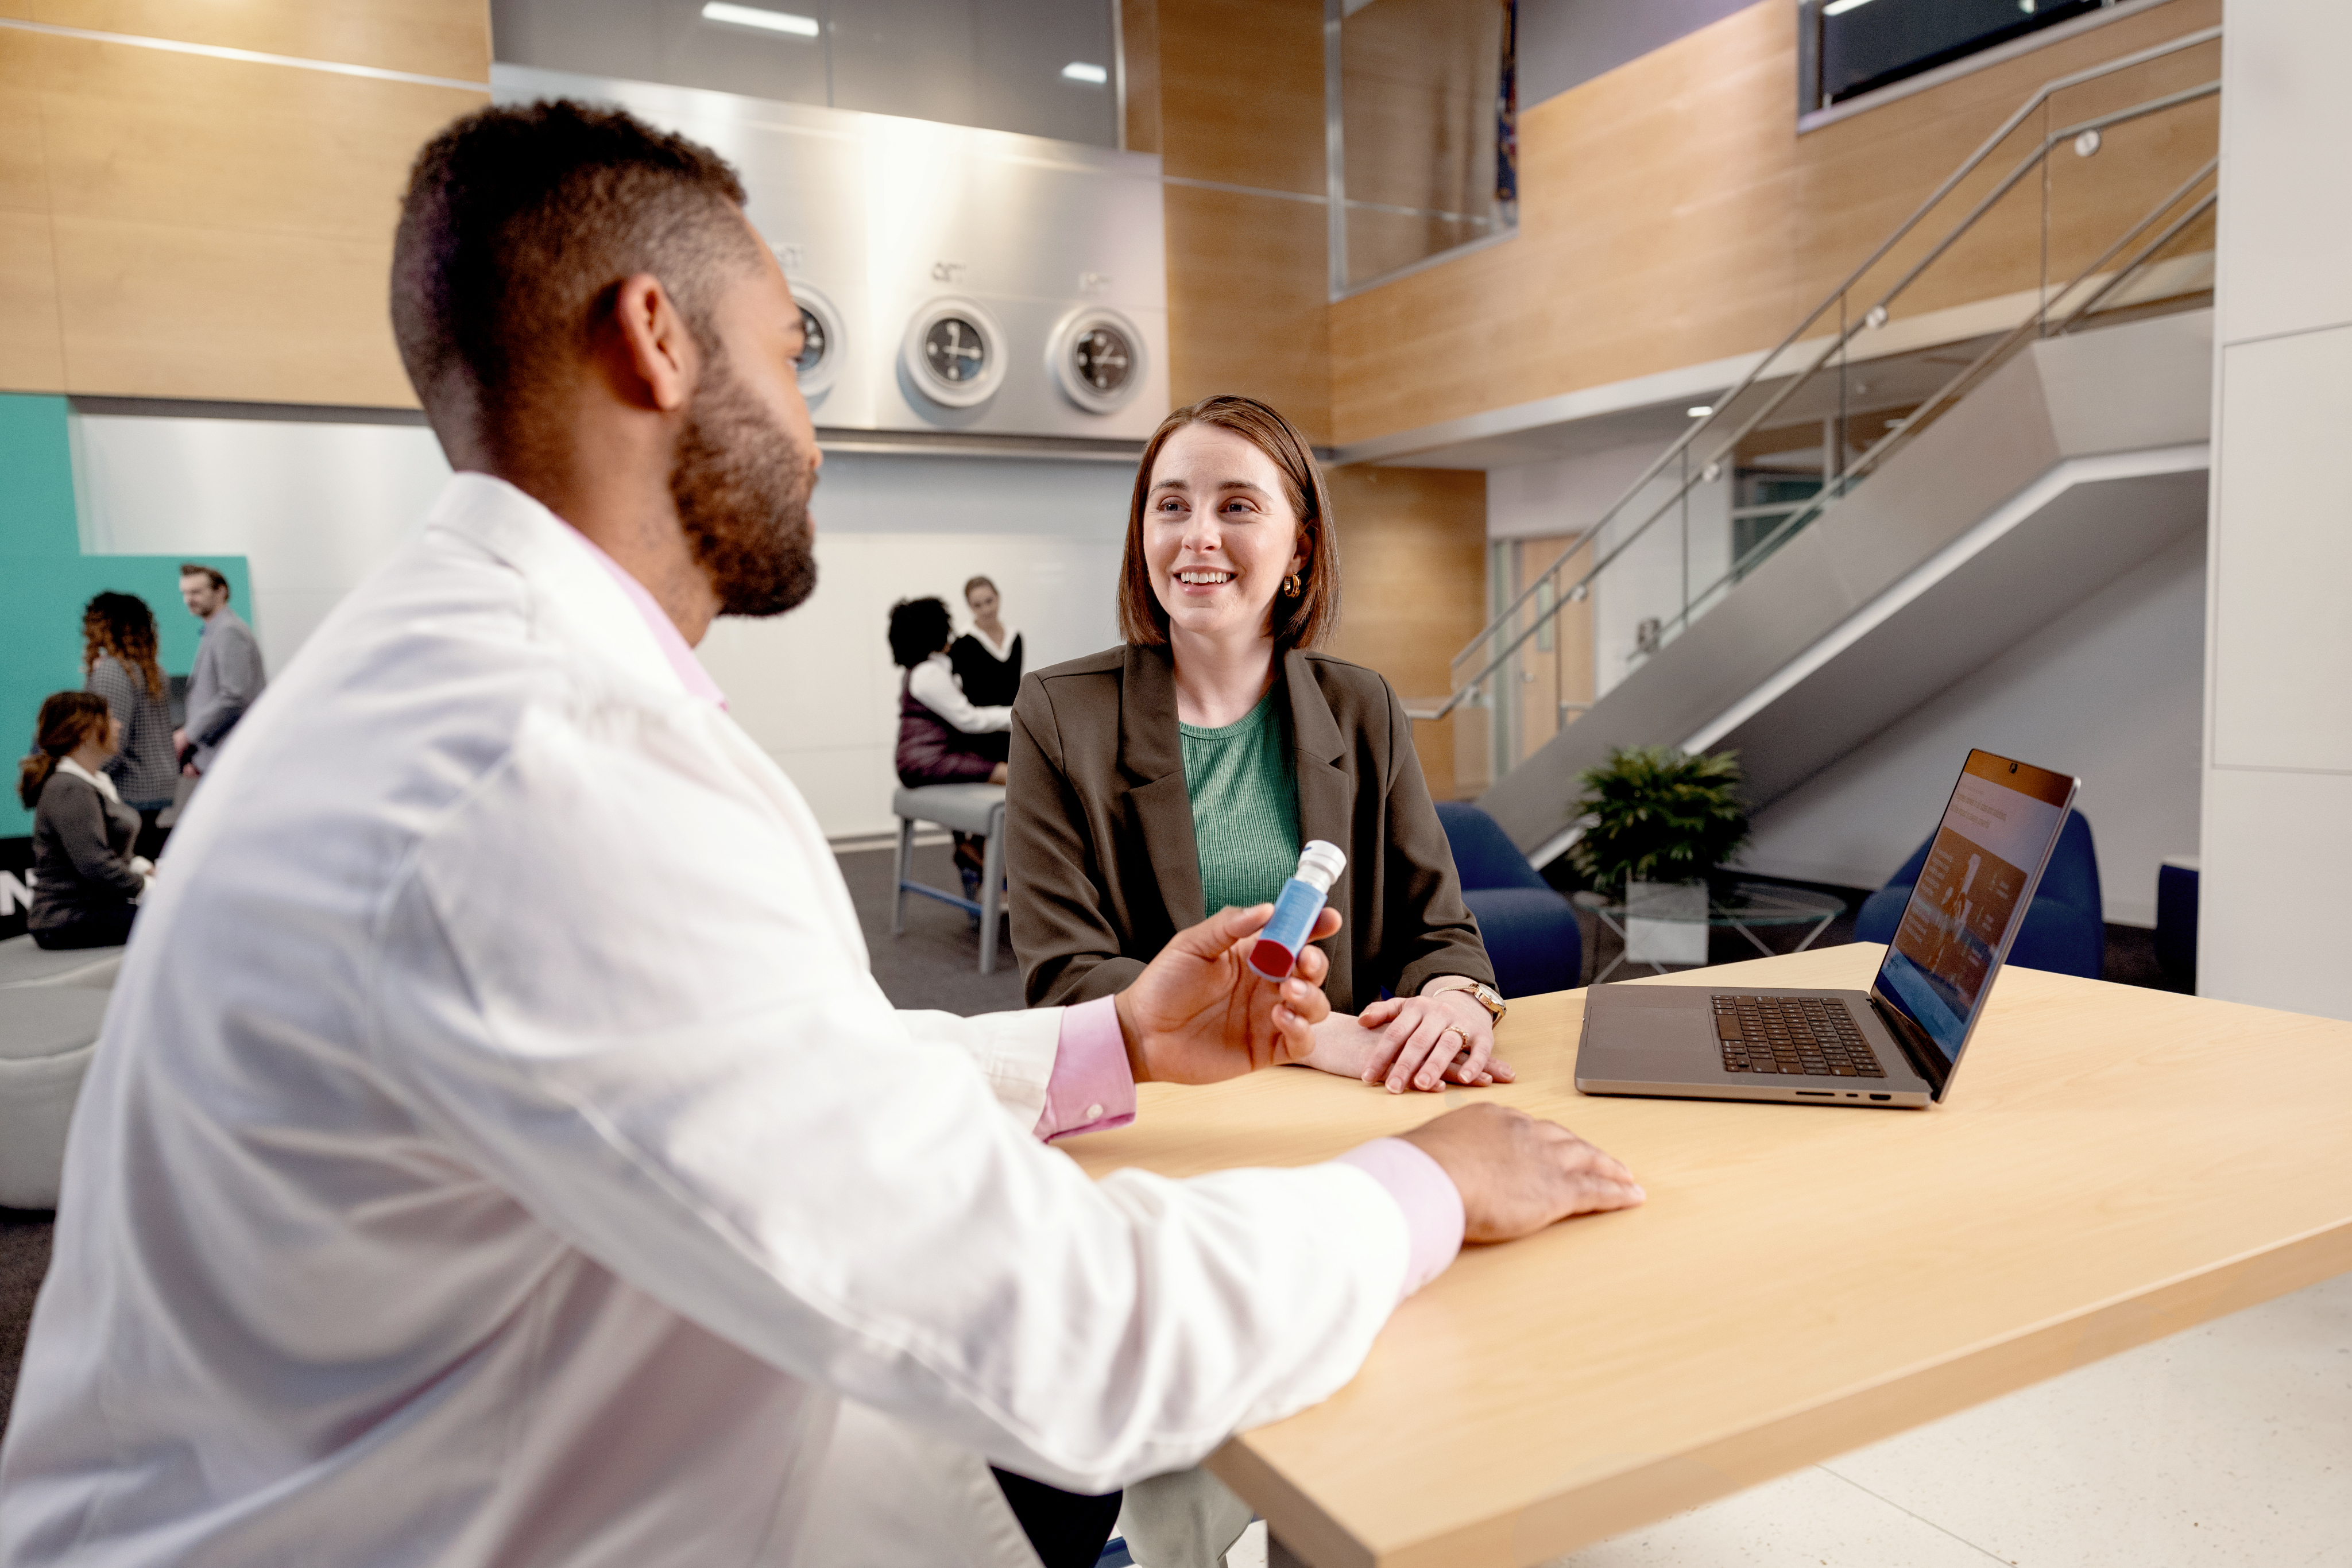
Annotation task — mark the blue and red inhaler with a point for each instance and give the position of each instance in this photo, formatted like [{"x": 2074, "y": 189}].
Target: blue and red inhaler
[{"x": 1276, "y": 951}]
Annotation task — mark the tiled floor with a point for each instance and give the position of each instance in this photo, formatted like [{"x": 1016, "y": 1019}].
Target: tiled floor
[{"x": 2230, "y": 1444}]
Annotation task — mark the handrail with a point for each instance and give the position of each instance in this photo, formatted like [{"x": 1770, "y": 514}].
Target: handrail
[
  {"x": 1943, "y": 397},
  {"x": 1950, "y": 392},
  {"x": 1969, "y": 166}
]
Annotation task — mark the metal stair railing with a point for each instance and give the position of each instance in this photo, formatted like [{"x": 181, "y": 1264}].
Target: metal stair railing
[{"x": 2093, "y": 288}]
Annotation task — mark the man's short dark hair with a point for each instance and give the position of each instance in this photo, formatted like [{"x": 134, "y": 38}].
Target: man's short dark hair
[
  {"x": 518, "y": 220},
  {"x": 198, "y": 569},
  {"x": 918, "y": 629}
]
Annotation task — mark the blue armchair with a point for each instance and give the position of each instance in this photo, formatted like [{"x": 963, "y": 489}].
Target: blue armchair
[
  {"x": 2065, "y": 928},
  {"x": 1529, "y": 928}
]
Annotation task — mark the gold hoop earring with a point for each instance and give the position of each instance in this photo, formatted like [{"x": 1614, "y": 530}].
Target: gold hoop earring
[{"x": 1290, "y": 589}]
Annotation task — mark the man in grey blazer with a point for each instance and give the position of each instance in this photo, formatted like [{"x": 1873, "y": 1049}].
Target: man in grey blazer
[{"x": 227, "y": 675}]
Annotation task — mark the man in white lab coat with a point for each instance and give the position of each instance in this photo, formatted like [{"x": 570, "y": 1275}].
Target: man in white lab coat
[{"x": 498, "y": 1151}]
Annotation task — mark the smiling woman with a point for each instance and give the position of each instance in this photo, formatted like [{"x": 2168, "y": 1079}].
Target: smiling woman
[{"x": 1180, "y": 772}]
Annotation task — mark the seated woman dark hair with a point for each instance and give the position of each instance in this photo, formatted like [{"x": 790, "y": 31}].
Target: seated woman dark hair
[
  {"x": 941, "y": 734},
  {"x": 943, "y": 737},
  {"x": 1181, "y": 772},
  {"x": 86, "y": 882}
]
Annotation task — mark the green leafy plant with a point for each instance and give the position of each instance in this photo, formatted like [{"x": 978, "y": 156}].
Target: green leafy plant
[{"x": 1654, "y": 814}]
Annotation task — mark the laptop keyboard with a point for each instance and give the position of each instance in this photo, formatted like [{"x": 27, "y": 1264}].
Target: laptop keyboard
[{"x": 1810, "y": 1035}]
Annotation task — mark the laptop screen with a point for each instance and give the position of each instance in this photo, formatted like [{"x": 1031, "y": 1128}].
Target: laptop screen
[{"x": 1987, "y": 856}]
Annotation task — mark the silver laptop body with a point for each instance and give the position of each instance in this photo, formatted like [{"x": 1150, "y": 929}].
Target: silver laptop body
[{"x": 1702, "y": 1042}]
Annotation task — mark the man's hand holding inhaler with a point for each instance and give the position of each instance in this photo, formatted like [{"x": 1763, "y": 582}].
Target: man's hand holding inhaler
[{"x": 1241, "y": 990}]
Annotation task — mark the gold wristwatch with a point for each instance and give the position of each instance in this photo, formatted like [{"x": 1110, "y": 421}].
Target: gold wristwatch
[{"x": 1486, "y": 995}]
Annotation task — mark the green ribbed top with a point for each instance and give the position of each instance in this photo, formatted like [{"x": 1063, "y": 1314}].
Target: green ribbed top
[{"x": 1244, "y": 790}]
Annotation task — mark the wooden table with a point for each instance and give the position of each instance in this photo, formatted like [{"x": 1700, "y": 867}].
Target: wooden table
[{"x": 2112, "y": 1165}]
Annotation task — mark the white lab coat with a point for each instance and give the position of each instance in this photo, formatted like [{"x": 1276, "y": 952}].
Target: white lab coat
[{"x": 499, "y": 1152}]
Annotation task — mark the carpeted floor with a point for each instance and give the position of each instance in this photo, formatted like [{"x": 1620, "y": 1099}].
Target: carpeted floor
[
  {"x": 934, "y": 965},
  {"x": 937, "y": 963},
  {"x": 24, "y": 1259}
]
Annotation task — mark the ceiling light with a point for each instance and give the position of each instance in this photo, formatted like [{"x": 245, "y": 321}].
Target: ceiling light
[
  {"x": 1700, "y": 410},
  {"x": 1840, "y": 7},
  {"x": 766, "y": 21},
  {"x": 1078, "y": 70}
]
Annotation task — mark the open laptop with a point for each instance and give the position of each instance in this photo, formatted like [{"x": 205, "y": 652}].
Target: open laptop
[{"x": 1897, "y": 1044}]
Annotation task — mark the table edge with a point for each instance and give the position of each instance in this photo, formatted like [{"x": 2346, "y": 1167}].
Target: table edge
[{"x": 1610, "y": 1504}]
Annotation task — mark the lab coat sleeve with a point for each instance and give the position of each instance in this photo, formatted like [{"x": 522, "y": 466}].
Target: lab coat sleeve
[{"x": 666, "y": 1047}]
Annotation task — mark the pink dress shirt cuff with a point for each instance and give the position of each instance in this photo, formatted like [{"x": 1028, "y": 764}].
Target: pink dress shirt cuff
[
  {"x": 1091, "y": 1088},
  {"x": 1432, "y": 1205}
]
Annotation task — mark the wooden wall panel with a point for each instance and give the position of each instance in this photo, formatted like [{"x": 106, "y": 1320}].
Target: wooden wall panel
[
  {"x": 427, "y": 37},
  {"x": 1247, "y": 305},
  {"x": 1671, "y": 215},
  {"x": 1413, "y": 550},
  {"x": 1238, "y": 87},
  {"x": 32, "y": 354},
  {"x": 1139, "y": 35},
  {"x": 1241, "y": 92},
  {"x": 32, "y": 342},
  {"x": 220, "y": 229}
]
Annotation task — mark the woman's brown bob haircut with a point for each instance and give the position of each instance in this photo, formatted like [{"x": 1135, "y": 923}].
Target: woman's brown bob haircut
[{"x": 1300, "y": 622}]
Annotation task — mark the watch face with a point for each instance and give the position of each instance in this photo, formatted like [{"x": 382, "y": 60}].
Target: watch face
[
  {"x": 1104, "y": 359},
  {"x": 813, "y": 342},
  {"x": 955, "y": 351}
]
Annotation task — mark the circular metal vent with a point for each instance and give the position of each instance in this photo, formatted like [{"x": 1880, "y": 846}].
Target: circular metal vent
[
  {"x": 954, "y": 354},
  {"x": 822, "y": 345},
  {"x": 1098, "y": 359}
]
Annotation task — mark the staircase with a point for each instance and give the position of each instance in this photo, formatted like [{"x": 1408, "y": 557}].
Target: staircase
[{"x": 1949, "y": 515}]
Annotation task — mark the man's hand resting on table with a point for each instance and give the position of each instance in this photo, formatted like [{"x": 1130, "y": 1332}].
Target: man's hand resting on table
[
  {"x": 1199, "y": 1013},
  {"x": 1518, "y": 1174}
]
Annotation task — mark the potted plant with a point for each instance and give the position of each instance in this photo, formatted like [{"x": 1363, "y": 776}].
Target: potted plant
[{"x": 1656, "y": 821}]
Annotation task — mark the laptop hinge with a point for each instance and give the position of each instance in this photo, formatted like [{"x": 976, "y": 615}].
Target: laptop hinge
[{"x": 1924, "y": 1058}]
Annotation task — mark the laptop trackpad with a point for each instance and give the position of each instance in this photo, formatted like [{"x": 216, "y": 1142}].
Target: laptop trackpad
[{"x": 1630, "y": 1031}]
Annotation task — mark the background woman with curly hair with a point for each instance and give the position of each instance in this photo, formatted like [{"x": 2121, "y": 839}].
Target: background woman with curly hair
[{"x": 117, "y": 658}]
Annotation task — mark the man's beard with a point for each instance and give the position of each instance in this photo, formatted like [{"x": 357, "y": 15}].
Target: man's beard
[{"x": 741, "y": 489}]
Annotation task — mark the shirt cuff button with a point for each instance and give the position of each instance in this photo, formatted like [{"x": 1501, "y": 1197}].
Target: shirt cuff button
[{"x": 1094, "y": 1112}]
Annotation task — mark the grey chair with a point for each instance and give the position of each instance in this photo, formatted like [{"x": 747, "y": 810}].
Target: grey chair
[
  {"x": 23, "y": 963},
  {"x": 966, "y": 808},
  {"x": 47, "y": 1036}
]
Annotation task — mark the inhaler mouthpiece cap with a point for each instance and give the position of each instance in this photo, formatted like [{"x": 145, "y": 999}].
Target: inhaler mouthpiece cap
[{"x": 1321, "y": 863}]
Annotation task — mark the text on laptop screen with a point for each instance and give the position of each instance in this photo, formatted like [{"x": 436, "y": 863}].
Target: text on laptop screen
[{"x": 1999, "y": 828}]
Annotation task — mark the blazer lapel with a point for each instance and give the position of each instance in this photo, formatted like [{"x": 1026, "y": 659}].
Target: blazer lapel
[
  {"x": 1326, "y": 794},
  {"x": 1152, "y": 755}
]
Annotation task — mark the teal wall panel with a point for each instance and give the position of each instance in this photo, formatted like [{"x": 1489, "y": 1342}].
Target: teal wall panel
[{"x": 36, "y": 493}]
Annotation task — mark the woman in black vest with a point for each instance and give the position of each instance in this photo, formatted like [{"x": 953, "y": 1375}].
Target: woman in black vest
[
  {"x": 86, "y": 882},
  {"x": 987, "y": 659}
]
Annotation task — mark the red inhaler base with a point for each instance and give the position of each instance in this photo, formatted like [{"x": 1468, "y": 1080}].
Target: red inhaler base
[{"x": 1272, "y": 960}]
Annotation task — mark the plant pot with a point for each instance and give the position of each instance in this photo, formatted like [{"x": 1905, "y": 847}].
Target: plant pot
[{"x": 1665, "y": 923}]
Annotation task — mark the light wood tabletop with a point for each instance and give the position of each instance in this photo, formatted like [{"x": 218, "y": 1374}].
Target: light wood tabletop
[{"x": 2111, "y": 1166}]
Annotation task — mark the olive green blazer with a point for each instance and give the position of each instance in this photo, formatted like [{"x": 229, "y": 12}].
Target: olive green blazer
[{"x": 1099, "y": 829}]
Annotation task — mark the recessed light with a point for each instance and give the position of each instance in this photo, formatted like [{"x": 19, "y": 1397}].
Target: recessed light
[
  {"x": 1700, "y": 410},
  {"x": 1078, "y": 70},
  {"x": 764, "y": 20}
]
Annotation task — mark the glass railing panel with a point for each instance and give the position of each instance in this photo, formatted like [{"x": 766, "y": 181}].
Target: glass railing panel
[{"x": 1418, "y": 93}]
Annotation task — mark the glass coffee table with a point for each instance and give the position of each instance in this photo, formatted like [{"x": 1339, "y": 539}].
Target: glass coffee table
[{"x": 1745, "y": 907}]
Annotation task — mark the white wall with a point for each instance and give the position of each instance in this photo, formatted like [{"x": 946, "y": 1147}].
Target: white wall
[
  {"x": 1684, "y": 552},
  {"x": 2109, "y": 692},
  {"x": 312, "y": 506},
  {"x": 2278, "y": 729},
  {"x": 315, "y": 506}
]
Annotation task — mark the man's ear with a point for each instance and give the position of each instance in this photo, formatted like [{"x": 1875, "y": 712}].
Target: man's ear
[{"x": 649, "y": 355}]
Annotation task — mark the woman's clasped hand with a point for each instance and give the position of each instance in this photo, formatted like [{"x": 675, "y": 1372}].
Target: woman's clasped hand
[{"x": 1423, "y": 1042}]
